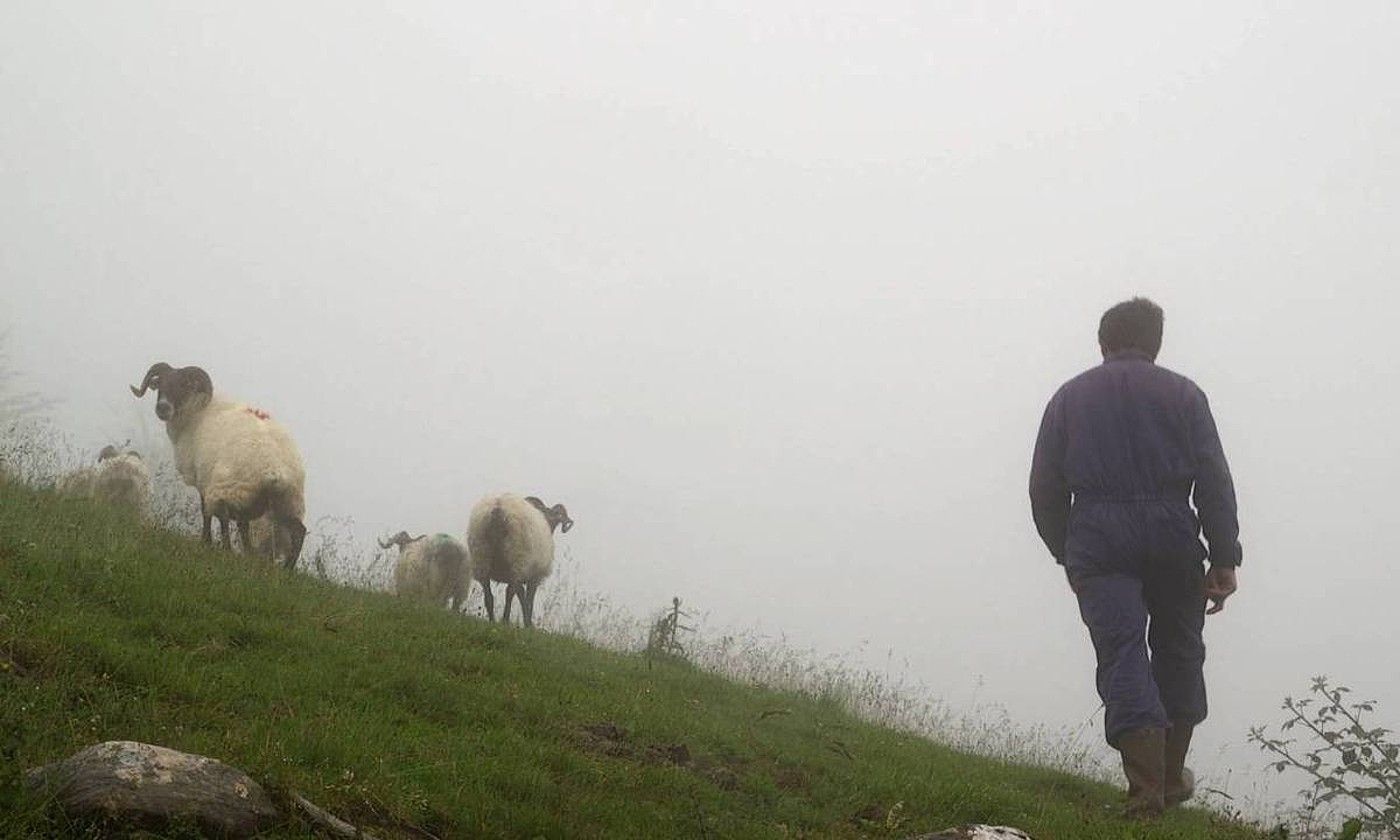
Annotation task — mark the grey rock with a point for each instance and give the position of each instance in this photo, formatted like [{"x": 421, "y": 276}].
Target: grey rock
[
  {"x": 138, "y": 785},
  {"x": 976, "y": 832}
]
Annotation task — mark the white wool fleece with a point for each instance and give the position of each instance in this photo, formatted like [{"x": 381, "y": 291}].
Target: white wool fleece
[
  {"x": 123, "y": 480},
  {"x": 525, "y": 552},
  {"x": 236, "y": 455}
]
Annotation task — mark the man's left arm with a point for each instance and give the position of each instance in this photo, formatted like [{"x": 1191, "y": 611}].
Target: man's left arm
[
  {"x": 1214, "y": 490},
  {"x": 1214, "y": 497}
]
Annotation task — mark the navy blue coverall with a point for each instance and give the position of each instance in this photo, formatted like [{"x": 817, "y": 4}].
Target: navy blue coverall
[{"x": 1124, "y": 450}]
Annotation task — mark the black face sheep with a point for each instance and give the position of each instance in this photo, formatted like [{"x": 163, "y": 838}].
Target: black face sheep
[
  {"x": 511, "y": 541},
  {"x": 242, "y": 462},
  {"x": 430, "y": 569}
]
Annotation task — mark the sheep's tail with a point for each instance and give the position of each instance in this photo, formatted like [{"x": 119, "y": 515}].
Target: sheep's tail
[{"x": 495, "y": 533}]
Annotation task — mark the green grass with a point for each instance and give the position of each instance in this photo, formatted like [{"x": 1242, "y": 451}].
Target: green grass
[{"x": 407, "y": 720}]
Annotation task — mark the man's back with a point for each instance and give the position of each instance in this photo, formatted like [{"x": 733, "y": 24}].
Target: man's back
[{"x": 1127, "y": 431}]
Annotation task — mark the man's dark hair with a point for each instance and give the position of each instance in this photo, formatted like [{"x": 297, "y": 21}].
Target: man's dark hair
[{"x": 1132, "y": 325}]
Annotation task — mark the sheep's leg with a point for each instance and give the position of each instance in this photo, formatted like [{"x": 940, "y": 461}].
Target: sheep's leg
[
  {"x": 225, "y": 532},
  {"x": 489, "y": 599},
  {"x": 244, "y": 536},
  {"x": 527, "y": 602},
  {"x": 208, "y": 533},
  {"x": 461, "y": 584},
  {"x": 511, "y": 592}
]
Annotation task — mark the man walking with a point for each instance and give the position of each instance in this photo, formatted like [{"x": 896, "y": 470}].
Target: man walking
[{"x": 1124, "y": 451}]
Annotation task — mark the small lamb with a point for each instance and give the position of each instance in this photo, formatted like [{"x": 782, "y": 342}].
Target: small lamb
[
  {"x": 430, "y": 569},
  {"x": 119, "y": 478}
]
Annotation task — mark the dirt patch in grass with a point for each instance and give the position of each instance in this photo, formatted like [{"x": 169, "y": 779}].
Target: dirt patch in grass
[
  {"x": 11, "y": 668},
  {"x": 719, "y": 775},
  {"x": 607, "y": 738},
  {"x": 677, "y": 754},
  {"x": 881, "y": 818},
  {"x": 872, "y": 813},
  {"x": 18, "y": 659},
  {"x": 792, "y": 779}
]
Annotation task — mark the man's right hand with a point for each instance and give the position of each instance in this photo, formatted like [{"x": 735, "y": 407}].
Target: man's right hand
[{"x": 1220, "y": 584}]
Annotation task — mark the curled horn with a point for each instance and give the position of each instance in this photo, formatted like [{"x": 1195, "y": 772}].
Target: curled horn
[
  {"x": 555, "y": 516},
  {"x": 561, "y": 516},
  {"x": 400, "y": 539},
  {"x": 152, "y": 378}
]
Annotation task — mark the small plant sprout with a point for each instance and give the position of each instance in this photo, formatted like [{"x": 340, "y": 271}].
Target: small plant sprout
[
  {"x": 1344, "y": 757},
  {"x": 663, "y": 639}
]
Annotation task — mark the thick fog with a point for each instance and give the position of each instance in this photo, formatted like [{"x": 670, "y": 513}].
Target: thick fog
[{"x": 772, "y": 298}]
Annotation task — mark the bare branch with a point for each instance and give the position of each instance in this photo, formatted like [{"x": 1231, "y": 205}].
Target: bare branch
[{"x": 324, "y": 819}]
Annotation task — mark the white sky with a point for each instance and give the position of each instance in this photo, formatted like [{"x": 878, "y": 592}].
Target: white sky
[{"x": 771, "y": 298}]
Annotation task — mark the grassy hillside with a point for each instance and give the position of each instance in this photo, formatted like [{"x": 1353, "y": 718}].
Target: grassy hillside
[{"x": 413, "y": 722}]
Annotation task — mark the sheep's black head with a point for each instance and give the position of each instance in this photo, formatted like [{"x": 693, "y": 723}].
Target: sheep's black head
[
  {"x": 176, "y": 388},
  {"x": 400, "y": 539},
  {"x": 110, "y": 451},
  {"x": 557, "y": 516}
]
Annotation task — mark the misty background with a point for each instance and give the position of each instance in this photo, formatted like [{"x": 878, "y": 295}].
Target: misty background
[{"x": 772, "y": 298}]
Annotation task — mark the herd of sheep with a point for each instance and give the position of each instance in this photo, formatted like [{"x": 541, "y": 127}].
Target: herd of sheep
[{"x": 248, "y": 474}]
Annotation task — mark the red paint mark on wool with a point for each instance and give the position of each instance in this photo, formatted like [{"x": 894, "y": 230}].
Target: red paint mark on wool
[{"x": 259, "y": 413}]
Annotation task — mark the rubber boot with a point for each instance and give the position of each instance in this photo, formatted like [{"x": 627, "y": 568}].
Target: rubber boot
[
  {"x": 1180, "y": 781},
  {"x": 1144, "y": 763}
]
